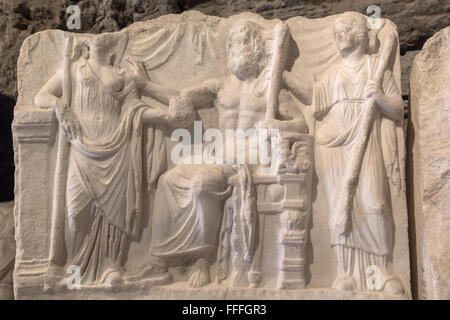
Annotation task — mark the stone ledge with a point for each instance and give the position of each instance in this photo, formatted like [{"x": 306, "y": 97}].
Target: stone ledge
[{"x": 34, "y": 126}]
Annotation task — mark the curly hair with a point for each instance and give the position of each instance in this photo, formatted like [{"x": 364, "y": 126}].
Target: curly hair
[
  {"x": 358, "y": 24},
  {"x": 251, "y": 31}
]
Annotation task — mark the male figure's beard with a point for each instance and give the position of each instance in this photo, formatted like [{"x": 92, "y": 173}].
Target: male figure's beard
[{"x": 244, "y": 66}]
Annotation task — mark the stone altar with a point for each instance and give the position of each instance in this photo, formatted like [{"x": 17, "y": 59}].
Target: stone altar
[{"x": 103, "y": 210}]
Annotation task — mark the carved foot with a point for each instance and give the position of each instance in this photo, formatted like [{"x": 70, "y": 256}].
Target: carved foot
[
  {"x": 394, "y": 287},
  {"x": 254, "y": 278},
  {"x": 114, "y": 278},
  {"x": 200, "y": 276},
  {"x": 344, "y": 283}
]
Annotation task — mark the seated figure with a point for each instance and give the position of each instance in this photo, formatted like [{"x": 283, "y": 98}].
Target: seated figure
[{"x": 189, "y": 201}]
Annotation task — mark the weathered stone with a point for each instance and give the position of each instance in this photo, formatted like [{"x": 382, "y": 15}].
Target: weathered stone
[
  {"x": 7, "y": 250},
  {"x": 430, "y": 115}
]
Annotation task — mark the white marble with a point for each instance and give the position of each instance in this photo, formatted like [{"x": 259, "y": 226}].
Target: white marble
[
  {"x": 105, "y": 209},
  {"x": 429, "y": 130}
]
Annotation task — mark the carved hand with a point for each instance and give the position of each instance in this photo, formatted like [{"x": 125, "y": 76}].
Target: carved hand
[
  {"x": 181, "y": 111},
  {"x": 67, "y": 120},
  {"x": 271, "y": 124},
  {"x": 139, "y": 73},
  {"x": 373, "y": 90}
]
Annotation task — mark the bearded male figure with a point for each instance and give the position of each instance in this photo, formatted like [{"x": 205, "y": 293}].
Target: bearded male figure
[{"x": 189, "y": 200}]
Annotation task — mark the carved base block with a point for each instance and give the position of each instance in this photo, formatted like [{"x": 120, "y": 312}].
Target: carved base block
[
  {"x": 147, "y": 290},
  {"x": 292, "y": 267}
]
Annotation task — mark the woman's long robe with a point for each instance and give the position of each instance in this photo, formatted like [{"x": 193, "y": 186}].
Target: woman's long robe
[
  {"x": 105, "y": 174},
  {"x": 338, "y": 102}
]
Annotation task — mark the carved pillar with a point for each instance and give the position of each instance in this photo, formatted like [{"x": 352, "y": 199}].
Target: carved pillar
[
  {"x": 33, "y": 135},
  {"x": 296, "y": 169},
  {"x": 292, "y": 206},
  {"x": 292, "y": 236}
]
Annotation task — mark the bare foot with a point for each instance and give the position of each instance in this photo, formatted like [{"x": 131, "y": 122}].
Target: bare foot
[
  {"x": 344, "y": 283},
  {"x": 200, "y": 276},
  {"x": 114, "y": 278}
]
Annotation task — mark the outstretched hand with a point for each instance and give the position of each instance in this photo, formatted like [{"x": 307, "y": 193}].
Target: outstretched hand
[
  {"x": 270, "y": 124},
  {"x": 138, "y": 72},
  {"x": 181, "y": 111}
]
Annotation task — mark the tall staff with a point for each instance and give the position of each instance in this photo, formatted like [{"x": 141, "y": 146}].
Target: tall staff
[
  {"x": 57, "y": 242},
  {"x": 278, "y": 63}
]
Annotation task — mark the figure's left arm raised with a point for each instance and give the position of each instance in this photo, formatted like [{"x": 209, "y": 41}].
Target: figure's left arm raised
[
  {"x": 139, "y": 75},
  {"x": 181, "y": 108}
]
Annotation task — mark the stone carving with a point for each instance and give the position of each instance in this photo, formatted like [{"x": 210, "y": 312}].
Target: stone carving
[
  {"x": 100, "y": 112},
  {"x": 120, "y": 216},
  {"x": 189, "y": 201},
  {"x": 430, "y": 164},
  {"x": 7, "y": 250},
  {"x": 350, "y": 102}
]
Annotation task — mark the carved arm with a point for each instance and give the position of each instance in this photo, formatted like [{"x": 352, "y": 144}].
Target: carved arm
[
  {"x": 51, "y": 96},
  {"x": 389, "y": 105},
  {"x": 139, "y": 75},
  {"x": 203, "y": 95},
  {"x": 301, "y": 89},
  {"x": 50, "y": 92}
]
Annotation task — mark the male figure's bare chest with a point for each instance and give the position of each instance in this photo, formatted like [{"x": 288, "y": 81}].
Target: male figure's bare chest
[{"x": 239, "y": 98}]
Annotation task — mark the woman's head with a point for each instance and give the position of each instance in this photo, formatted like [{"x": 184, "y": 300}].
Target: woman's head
[
  {"x": 101, "y": 48},
  {"x": 351, "y": 32}
]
